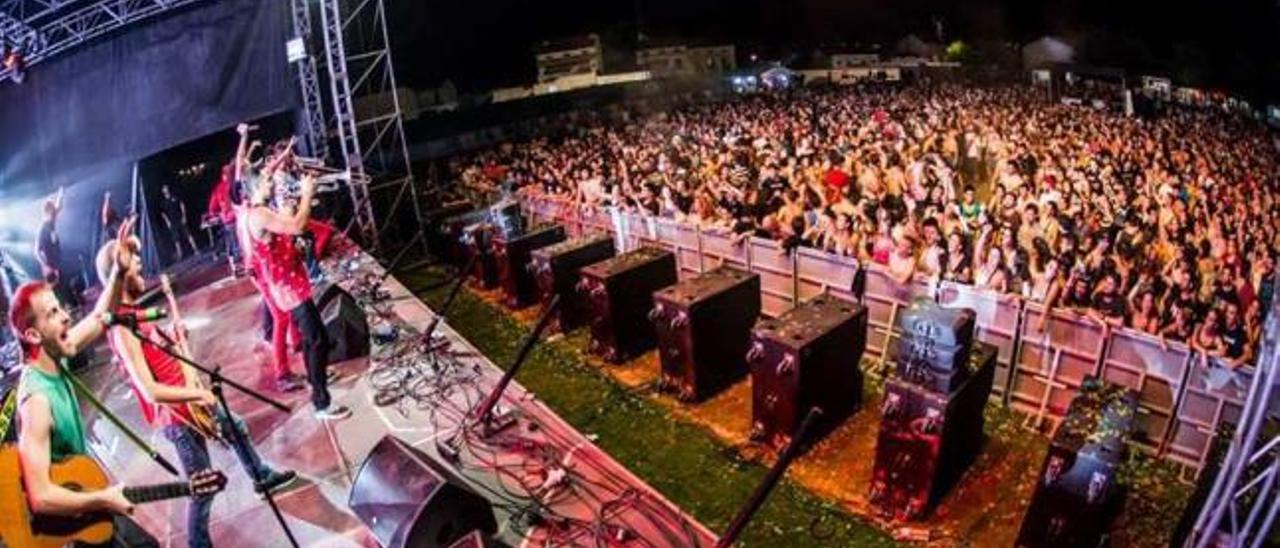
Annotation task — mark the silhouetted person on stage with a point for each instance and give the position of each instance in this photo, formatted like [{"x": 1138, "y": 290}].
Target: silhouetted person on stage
[{"x": 174, "y": 214}]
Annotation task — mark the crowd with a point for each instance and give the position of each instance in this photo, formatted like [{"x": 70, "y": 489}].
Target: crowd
[{"x": 1168, "y": 226}]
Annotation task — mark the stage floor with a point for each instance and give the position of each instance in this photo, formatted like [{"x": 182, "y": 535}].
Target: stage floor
[{"x": 223, "y": 321}]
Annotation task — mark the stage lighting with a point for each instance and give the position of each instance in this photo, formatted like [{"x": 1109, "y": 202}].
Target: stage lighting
[{"x": 14, "y": 60}]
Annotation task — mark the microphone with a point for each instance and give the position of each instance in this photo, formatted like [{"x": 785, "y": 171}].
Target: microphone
[{"x": 134, "y": 318}]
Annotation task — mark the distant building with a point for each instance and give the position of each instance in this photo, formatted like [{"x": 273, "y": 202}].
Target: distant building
[
  {"x": 851, "y": 60},
  {"x": 672, "y": 58},
  {"x": 577, "y": 56}
]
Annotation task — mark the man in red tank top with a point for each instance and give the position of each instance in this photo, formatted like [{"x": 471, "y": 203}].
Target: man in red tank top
[
  {"x": 282, "y": 272},
  {"x": 167, "y": 390}
]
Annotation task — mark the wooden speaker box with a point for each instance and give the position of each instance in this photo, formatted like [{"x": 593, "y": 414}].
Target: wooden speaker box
[
  {"x": 1076, "y": 493},
  {"x": 928, "y": 438},
  {"x": 555, "y": 269},
  {"x": 513, "y": 256},
  {"x": 703, "y": 326},
  {"x": 619, "y": 293},
  {"x": 808, "y": 357}
]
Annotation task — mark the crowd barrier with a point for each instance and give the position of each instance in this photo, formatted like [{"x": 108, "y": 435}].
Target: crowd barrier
[{"x": 1042, "y": 359}]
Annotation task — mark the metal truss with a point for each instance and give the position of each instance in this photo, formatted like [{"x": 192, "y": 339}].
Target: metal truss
[
  {"x": 358, "y": 62},
  {"x": 315, "y": 139},
  {"x": 34, "y": 10},
  {"x": 16, "y": 31},
  {"x": 49, "y": 27},
  {"x": 1242, "y": 506}
]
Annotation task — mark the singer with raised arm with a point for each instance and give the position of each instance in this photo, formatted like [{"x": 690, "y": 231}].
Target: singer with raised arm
[
  {"x": 278, "y": 327},
  {"x": 50, "y": 427},
  {"x": 48, "y": 244},
  {"x": 283, "y": 275},
  {"x": 170, "y": 394}
]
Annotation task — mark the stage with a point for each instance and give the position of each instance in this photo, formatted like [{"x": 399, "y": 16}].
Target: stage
[{"x": 598, "y": 503}]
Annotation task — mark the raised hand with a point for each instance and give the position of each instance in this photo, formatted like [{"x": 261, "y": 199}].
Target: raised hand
[{"x": 126, "y": 245}]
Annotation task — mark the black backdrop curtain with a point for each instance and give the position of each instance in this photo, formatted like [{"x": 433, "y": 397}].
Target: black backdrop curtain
[{"x": 81, "y": 120}]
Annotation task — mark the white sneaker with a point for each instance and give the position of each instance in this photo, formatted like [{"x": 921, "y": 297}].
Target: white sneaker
[{"x": 333, "y": 413}]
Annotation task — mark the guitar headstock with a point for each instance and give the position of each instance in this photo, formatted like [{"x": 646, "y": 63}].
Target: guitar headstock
[{"x": 207, "y": 482}]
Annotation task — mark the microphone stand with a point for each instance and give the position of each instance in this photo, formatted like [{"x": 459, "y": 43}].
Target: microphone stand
[
  {"x": 770, "y": 481},
  {"x": 216, "y": 380},
  {"x": 483, "y": 415},
  {"x": 458, "y": 280},
  {"x": 114, "y": 420}
]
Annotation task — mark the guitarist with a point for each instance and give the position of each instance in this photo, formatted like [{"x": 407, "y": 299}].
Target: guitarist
[
  {"x": 50, "y": 427},
  {"x": 171, "y": 395}
]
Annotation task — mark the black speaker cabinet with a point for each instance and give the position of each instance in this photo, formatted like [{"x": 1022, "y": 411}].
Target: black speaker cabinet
[
  {"x": 478, "y": 240},
  {"x": 555, "y": 268},
  {"x": 928, "y": 438},
  {"x": 452, "y": 233},
  {"x": 808, "y": 357},
  {"x": 619, "y": 293},
  {"x": 408, "y": 500},
  {"x": 514, "y": 255},
  {"x": 345, "y": 322},
  {"x": 1076, "y": 494},
  {"x": 477, "y": 539},
  {"x": 439, "y": 244},
  {"x": 703, "y": 326}
]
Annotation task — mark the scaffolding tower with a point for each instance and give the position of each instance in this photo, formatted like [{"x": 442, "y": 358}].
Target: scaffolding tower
[
  {"x": 1241, "y": 508},
  {"x": 357, "y": 64}
]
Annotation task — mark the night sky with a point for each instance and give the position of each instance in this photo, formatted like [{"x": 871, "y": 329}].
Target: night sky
[{"x": 480, "y": 44}]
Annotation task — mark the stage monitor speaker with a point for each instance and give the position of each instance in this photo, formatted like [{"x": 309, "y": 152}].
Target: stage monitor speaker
[
  {"x": 407, "y": 500},
  {"x": 477, "y": 539},
  {"x": 345, "y": 323}
]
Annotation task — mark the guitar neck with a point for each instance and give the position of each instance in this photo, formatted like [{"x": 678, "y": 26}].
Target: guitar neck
[{"x": 151, "y": 493}]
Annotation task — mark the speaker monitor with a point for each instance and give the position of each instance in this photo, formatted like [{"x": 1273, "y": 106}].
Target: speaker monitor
[
  {"x": 703, "y": 326},
  {"x": 1077, "y": 493},
  {"x": 555, "y": 268},
  {"x": 438, "y": 242},
  {"x": 808, "y": 357},
  {"x": 513, "y": 255},
  {"x": 928, "y": 438},
  {"x": 345, "y": 323},
  {"x": 406, "y": 499},
  {"x": 619, "y": 292},
  {"x": 477, "y": 539}
]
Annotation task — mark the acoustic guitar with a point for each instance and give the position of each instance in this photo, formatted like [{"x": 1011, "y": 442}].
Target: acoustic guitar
[{"x": 20, "y": 528}]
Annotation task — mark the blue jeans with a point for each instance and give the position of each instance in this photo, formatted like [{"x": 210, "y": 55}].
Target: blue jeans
[{"x": 194, "y": 454}]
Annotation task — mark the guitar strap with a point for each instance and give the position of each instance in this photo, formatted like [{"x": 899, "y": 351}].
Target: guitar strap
[
  {"x": 7, "y": 412},
  {"x": 113, "y": 419}
]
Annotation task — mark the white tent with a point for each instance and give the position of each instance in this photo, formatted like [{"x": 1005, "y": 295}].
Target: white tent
[{"x": 1047, "y": 51}]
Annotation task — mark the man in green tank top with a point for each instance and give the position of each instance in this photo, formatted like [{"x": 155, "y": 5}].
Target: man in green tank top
[{"x": 50, "y": 427}]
